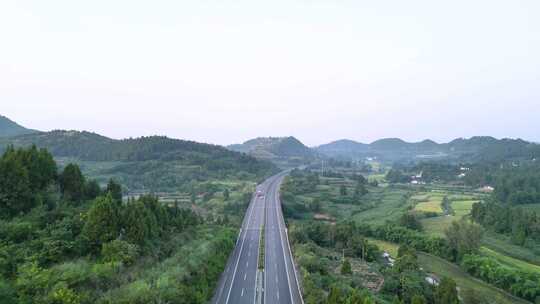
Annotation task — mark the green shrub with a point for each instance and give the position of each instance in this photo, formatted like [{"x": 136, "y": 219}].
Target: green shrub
[{"x": 120, "y": 251}]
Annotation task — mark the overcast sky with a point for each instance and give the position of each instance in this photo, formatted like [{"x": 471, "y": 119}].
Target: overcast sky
[{"x": 225, "y": 71}]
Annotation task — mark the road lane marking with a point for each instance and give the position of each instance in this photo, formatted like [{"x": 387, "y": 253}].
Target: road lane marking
[
  {"x": 242, "y": 292},
  {"x": 238, "y": 260},
  {"x": 284, "y": 257}
]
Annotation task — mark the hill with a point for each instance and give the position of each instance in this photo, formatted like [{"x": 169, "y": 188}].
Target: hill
[
  {"x": 479, "y": 148},
  {"x": 342, "y": 147},
  {"x": 10, "y": 128},
  {"x": 154, "y": 163},
  {"x": 275, "y": 149}
]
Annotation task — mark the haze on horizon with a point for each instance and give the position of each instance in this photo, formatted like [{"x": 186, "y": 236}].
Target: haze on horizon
[{"x": 226, "y": 71}]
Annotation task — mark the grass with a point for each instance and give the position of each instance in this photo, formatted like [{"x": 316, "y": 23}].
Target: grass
[
  {"x": 429, "y": 206},
  {"x": 502, "y": 244},
  {"x": 510, "y": 261},
  {"x": 428, "y": 201},
  {"x": 389, "y": 204},
  {"x": 462, "y": 208},
  {"x": 436, "y": 226},
  {"x": 391, "y": 248},
  {"x": 531, "y": 207},
  {"x": 464, "y": 281}
]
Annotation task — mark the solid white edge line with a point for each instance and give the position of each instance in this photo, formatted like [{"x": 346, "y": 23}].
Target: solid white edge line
[
  {"x": 239, "y": 255},
  {"x": 265, "y": 239},
  {"x": 292, "y": 259},
  {"x": 283, "y": 249}
]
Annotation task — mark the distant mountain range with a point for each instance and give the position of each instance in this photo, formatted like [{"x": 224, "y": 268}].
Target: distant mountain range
[
  {"x": 479, "y": 148},
  {"x": 472, "y": 149},
  {"x": 87, "y": 146},
  {"x": 10, "y": 128}
]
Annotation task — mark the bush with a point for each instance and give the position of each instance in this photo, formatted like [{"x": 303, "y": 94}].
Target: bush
[
  {"x": 120, "y": 251},
  {"x": 7, "y": 294}
]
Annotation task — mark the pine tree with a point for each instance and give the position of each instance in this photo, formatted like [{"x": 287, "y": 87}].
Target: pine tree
[
  {"x": 343, "y": 190},
  {"x": 346, "y": 267},
  {"x": 72, "y": 183},
  {"x": 446, "y": 292},
  {"x": 102, "y": 222},
  {"x": 15, "y": 192},
  {"x": 114, "y": 189}
]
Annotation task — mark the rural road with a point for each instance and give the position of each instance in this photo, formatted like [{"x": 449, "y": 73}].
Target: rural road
[{"x": 237, "y": 284}]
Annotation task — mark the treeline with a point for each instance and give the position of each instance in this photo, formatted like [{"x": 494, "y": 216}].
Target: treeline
[
  {"x": 29, "y": 178},
  {"x": 522, "y": 225},
  {"x": 522, "y": 284},
  {"x": 300, "y": 182},
  {"x": 64, "y": 239},
  {"x": 147, "y": 159},
  {"x": 515, "y": 183},
  {"x": 341, "y": 236}
]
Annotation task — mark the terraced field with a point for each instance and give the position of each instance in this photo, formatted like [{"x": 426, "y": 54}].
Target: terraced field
[
  {"x": 428, "y": 202},
  {"x": 437, "y": 225}
]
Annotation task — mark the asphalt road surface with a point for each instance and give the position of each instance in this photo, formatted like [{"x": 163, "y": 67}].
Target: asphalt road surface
[{"x": 237, "y": 284}]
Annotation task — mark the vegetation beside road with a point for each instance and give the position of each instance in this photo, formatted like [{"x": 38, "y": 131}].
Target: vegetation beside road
[
  {"x": 387, "y": 218},
  {"x": 66, "y": 239}
]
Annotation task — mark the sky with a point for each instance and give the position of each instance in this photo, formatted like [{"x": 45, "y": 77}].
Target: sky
[{"x": 225, "y": 71}]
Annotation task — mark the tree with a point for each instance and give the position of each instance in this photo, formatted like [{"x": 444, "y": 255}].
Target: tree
[
  {"x": 7, "y": 293},
  {"x": 140, "y": 223},
  {"x": 407, "y": 259},
  {"x": 115, "y": 189},
  {"x": 120, "y": 251},
  {"x": 359, "y": 297},
  {"x": 447, "y": 206},
  {"x": 72, "y": 183},
  {"x": 24, "y": 174},
  {"x": 410, "y": 221},
  {"x": 446, "y": 292},
  {"x": 15, "y": 192},
  {"x": 418, "y": 299},
  {"x": 102, "y": 222},
  {"x": 360, "y": 190},
  {"x": 396, "y": 176},
  {"x": 335, "y": 296},
  {"x": 464, "y": 237},
  {"x": 315, "y": 205},
  {"x": 92, "y": 190},
  {"x": 343, "y": 190},
  {"x": 346, "y": 267}
]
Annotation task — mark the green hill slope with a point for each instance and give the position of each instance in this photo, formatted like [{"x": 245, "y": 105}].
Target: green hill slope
[
  {"x": 10, "y": 128},
  {"x": 275, "y": 148},
  {"x": 153, "y": 163}
]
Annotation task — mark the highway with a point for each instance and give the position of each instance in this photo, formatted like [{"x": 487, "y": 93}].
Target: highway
[{"x": 238, "y": 283}]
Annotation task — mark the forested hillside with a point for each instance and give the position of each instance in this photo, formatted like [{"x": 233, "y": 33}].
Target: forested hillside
[
  {"x": 10, "y": 128},
  {"x": 474, "y": 149},
  {"x": 153, "y": 163},
  {"x": 66, "y": 240},
  {"x": 277, "y": 149}
]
